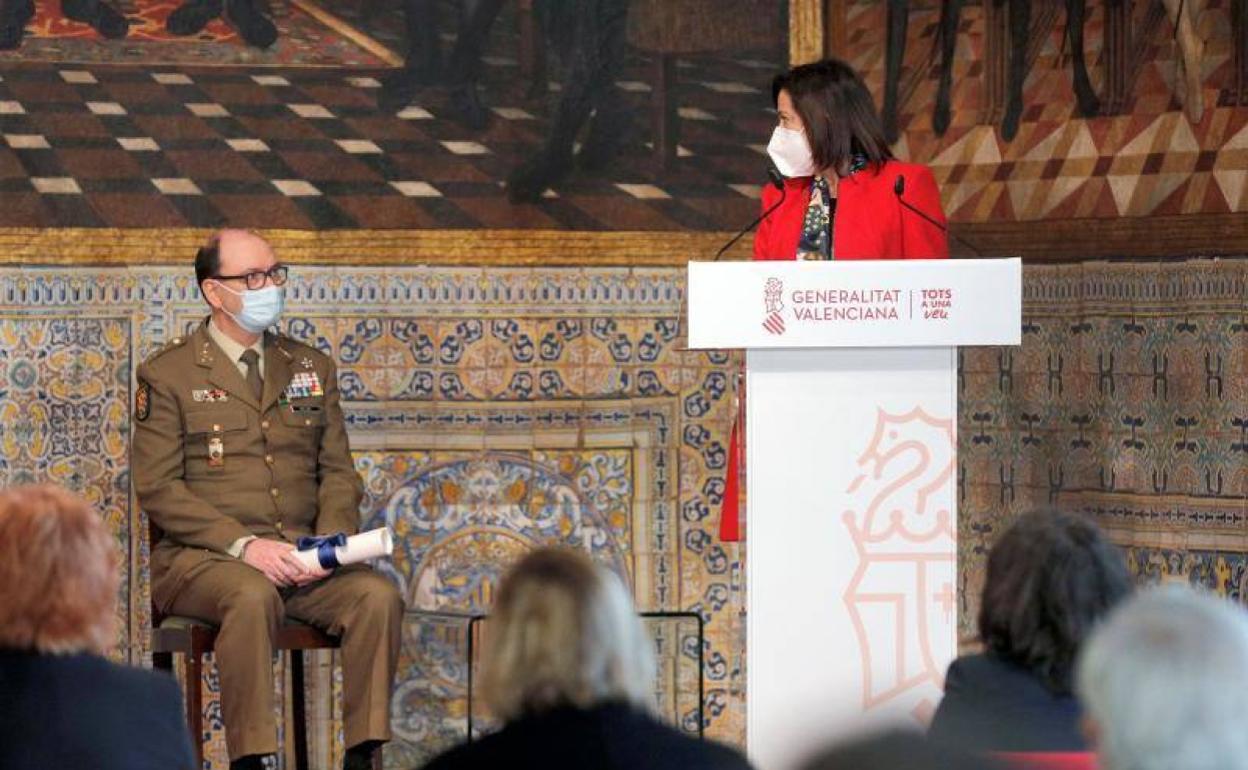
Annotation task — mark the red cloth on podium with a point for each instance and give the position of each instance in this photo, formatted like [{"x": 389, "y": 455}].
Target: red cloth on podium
[
  {"x": 1049, "y": 760},
  {"x": 730, "y": 515}
]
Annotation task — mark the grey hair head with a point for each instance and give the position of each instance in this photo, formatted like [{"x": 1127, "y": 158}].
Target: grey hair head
[{"x": 1165, "y": 683}]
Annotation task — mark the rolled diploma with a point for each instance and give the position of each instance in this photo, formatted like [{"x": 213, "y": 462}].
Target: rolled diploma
[{"x": 361, "y": 547}]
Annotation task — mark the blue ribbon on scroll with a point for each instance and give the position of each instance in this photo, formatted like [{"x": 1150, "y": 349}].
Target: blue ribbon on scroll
[{"x": 324, "y": 546}]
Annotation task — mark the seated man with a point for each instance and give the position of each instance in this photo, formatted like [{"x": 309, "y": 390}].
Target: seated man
[
  {"x": 239, "y": 449},
  {"x": 16, "y": 14},
  {"x": 247, "y": 16},
  {"x": 1163, "y": 683}
]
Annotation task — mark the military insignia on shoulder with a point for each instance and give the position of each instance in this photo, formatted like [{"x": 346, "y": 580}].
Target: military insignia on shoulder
[
  {"x": 172, "y": 344},
  {"x": 142, "y": 401},
  {"x": 305, "y": 362}
]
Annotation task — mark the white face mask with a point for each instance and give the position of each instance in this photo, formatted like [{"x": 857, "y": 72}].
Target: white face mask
[{"x": 790, "y": 151}]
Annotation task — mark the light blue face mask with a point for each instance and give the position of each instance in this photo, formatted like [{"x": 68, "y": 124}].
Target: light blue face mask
[{"x": 261, "y": 307}]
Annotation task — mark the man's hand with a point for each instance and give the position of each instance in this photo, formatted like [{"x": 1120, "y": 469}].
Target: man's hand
[
  {"x": 277, "y": 561},
  {"x": 307, "y": 574}
]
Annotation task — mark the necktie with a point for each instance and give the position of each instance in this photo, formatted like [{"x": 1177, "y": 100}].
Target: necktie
[{"x": 252, "y": 359}]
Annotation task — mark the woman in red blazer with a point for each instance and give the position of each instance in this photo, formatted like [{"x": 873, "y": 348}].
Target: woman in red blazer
[
  {"x": 842, "y": 199},
  {"x": 843, "y": 191}
]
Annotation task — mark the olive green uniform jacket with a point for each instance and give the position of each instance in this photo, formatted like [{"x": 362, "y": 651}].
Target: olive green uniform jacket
[{"x": 211, "y": 465}]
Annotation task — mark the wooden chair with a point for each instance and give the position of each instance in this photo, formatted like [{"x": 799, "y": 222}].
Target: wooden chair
[{"x": 172, "y": 634}]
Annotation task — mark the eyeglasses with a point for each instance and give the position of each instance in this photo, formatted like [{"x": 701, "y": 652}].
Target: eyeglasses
[{"x": 256, "y": 278}]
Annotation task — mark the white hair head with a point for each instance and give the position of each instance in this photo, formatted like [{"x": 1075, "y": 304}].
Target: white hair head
[
  {"x": 563, "y": 632},
  {"x": 1165, "y": 682}
]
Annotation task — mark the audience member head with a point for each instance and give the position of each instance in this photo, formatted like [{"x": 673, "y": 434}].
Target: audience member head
[
  {"x": 896, "y": 750},
  {"x": 59, "y": 569},
  {"x": 827, "y": 105},
  {"x": 563, "y": 632},
  {"x": 1164, "y": 683},
  {"x": 1051, "y": 577}
]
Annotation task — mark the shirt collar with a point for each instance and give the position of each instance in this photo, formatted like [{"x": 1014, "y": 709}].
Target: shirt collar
[{"x": 232, "y": 349}]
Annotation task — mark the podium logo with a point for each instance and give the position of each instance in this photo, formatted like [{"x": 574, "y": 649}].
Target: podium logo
[
  {"x": 773, "y": 302},
  {"x": 901, "y": 598}
]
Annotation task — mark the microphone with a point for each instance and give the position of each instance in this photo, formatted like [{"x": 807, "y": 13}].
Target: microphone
[
  {"x": 777, "y": 180},
  {"x": 899, "y": 189}
]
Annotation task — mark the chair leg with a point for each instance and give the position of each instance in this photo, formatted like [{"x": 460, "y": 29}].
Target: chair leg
[
  {"x": 299, "y": 709},
  {"x": 195, "y": 704},
  {"x": 666, "y": 124},
  {"x": 378, "y": 761}
]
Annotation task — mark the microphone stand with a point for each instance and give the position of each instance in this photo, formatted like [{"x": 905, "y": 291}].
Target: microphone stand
[
  {"x": 899, "y": 189},
  {"x": 777, "y": 181}
]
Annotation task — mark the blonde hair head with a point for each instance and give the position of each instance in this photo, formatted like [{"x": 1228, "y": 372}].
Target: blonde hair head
[
  {"x": 564, "y": 633},
  {"x": 59, "y": 569}
]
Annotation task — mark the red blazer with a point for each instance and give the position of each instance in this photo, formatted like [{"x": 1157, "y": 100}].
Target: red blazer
[{"x": 870, "y": 221}]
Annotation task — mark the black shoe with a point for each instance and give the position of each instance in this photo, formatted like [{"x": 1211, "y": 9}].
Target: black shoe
[
  {"x": 192, "y": 16},
  {"x": 14, "y": 14},
  {"x": 249, "y": 762},
  {"x": 107, "y": 21},
  {"x": 254, "y": 27},
  {"x": 360, "y": 756}
]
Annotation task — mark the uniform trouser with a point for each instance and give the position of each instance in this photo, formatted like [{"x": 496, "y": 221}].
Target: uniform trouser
[{"x": 356, "y": 604}]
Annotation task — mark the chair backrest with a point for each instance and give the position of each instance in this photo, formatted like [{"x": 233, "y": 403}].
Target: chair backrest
[{"x": 1049, "y": 760}]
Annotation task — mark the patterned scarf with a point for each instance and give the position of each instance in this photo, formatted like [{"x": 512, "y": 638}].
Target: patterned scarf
[{"x": 815, "y": 242}]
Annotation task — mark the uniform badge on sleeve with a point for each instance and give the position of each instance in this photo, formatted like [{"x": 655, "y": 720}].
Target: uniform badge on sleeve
[{"x": 142, "y": 401}]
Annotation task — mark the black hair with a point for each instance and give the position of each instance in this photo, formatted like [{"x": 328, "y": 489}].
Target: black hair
[
  {"x": 837, "y": 111},
  {"x": 1051, "y": 576},
  {"x": 208, "y": 260}
]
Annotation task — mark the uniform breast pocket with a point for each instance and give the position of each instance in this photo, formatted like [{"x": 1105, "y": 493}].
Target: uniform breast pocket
[
  {"x": 211, "y": 437},
  {"x": 303, "y": 415}
]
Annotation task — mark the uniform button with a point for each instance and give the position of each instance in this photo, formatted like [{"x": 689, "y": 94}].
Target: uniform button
[
  {"x": 273, "y": 491},
  {"x": 307, "y": 422},
  {"x": 279, "y": 526},
  {"x": 268, "y": 459},
  {"x": 264, "y": 425}
]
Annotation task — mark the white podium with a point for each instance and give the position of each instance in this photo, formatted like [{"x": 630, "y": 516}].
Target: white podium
[{"x": 851, "y": 443}]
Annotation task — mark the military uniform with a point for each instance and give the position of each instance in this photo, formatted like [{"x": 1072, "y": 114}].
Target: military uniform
[{"x": 212, "y": 464}]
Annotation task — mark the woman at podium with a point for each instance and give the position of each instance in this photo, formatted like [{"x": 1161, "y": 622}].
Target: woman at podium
[
  {"x": 843, "y": 195},
  {"x": 839, "y": 194}
]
